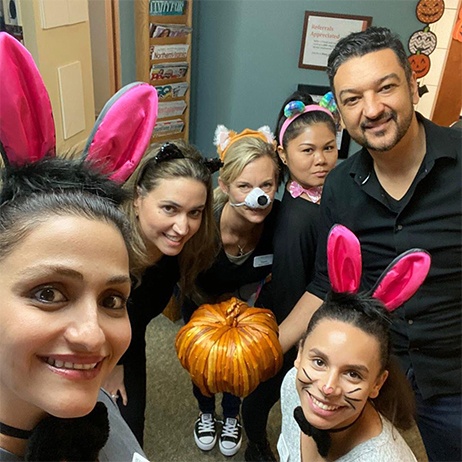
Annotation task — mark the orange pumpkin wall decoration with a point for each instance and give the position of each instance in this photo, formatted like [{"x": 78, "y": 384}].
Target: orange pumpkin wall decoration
[
  {"x": 420, "y": 64},
  {"x": 429, "y": 11},
  {"x": 229, "y": 347}
]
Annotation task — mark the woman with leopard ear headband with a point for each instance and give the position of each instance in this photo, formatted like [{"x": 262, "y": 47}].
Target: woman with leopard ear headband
[
  {"x": 346, "y": 396},
  {"x": 174, "y": 239}
]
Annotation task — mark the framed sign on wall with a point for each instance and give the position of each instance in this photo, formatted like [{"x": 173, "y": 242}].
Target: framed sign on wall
[{"x": 321, "y": 31}]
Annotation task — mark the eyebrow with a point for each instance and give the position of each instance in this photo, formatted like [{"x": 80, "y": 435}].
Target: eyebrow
[
  {"x": 180, "y": 206},
  {"x": 392, "y": 75},
  {"x": 358, "y": 367},
  {"x": 47, "y": 270}
]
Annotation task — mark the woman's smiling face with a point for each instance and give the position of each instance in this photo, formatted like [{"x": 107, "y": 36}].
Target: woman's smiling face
[
  {"x": 338, "y": 371},
  {"x": 64, "y": 323},
  {"x": 170, "y": 214}
]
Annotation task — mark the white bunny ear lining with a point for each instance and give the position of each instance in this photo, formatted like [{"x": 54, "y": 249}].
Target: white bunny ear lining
[
  {"x": 397, "y": 284},
  {"x": 117, "y": 142}
]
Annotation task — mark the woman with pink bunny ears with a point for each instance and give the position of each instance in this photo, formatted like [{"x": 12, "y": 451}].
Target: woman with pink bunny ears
[
  {"x": 245, "y": 212},
  {"x": 65, "y": 251},
  {"x": 346, "y": 395}
]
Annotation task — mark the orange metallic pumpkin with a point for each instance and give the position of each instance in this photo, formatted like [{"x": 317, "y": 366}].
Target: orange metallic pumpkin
[{"x": 229, "y": 347}]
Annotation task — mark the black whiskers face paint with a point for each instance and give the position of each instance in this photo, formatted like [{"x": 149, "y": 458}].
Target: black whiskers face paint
[{"x": 349, "y": 399}]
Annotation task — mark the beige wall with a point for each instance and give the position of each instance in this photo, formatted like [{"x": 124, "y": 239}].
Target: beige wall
[{"x": 56, "y": 47}]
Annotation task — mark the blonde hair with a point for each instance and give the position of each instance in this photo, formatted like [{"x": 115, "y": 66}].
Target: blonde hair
[
  {"x": 238, "y": 156},
  {"x": 199, "y": 252}
]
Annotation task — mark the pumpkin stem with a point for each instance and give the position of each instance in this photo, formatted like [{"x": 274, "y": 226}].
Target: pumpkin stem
[{"x": 232, "y": 312}]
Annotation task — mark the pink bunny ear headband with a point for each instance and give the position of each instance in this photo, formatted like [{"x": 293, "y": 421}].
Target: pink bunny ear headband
[
  {"x": 119, "y": 138},
  {"x": 397, "y": 284},
  {"x": 224, "y": 137},
  {"x": 295, "y": 109}
]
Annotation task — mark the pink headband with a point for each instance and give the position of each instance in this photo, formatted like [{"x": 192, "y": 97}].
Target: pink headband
[{"x": 291, "y": 118}]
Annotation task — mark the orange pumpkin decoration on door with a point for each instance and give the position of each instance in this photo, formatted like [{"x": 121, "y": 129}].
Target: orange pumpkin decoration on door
[
  {"x": 420, "y": 64},
  {"x": 229, "y": 347},
  {"x": 429, "y": 11}
]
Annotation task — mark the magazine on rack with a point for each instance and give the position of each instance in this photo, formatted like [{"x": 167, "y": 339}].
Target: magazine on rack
[
  {"x": 171, "y": 108},
  {"x": 169, "y": 51},
  {"x": 172, "y": 90},
  {"x": 163, "y": 71},
  {"x": 168, "y": 30},
  {"x": 168, "y": 127},
  {"x": 166, "y": 7}
]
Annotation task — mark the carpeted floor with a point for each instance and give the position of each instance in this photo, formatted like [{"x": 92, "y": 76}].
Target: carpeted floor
[{"x": 172, "y": 408}]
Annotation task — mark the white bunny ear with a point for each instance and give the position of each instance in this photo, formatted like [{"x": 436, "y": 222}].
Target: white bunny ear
[
  {"x": 222, "y": 137},
  {"x": 27, "y": 130},
  {"x": 344, "y": 260},
  {"x": 400, "y": 281},
  {"x": 268, "y": 133}
]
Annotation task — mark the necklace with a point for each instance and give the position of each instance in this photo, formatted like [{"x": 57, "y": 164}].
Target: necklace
[
  {"x": 241, "y": 250},
  {"x": 14, "y": 432}
]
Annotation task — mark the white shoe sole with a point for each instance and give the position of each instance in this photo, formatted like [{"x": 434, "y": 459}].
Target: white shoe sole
[
  {"x": 228, "y": 452},
  {"x": 203, "y": 446}
]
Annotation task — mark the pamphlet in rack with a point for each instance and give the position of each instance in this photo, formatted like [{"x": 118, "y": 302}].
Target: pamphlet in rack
[
  {"x": 168, "y": 127},
  {"x": 169, "y": 51},
  {"x": 172, "y": 90},
  {"x": 163, "y": 71},
  {"x": 171, "y": 108},
  {"x": 168, "y": 30}
]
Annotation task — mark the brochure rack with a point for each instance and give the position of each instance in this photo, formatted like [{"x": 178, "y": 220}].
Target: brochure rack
[{"x": 163, "y": 31}]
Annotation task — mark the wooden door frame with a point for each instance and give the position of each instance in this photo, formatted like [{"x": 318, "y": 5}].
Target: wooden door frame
[{"x": 113, "y": 44}]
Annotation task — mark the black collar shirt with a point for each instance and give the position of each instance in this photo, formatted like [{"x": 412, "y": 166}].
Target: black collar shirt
[{"x": 427, "y": 329}]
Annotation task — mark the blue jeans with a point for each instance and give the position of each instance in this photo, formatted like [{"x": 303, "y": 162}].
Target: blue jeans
[{"x": 440, "y": 423}]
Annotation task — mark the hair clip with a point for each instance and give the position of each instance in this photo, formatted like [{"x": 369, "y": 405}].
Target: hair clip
[
  {"x": 168, "y": 151},
  {"x": 213, "y": 165},
  {"x": 328, "y": 101},
  {"x": 294, "y": 108}
]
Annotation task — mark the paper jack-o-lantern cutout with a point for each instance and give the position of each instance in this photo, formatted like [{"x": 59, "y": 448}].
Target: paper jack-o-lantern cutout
[
  {"x": 229, "y": 347},
  {"x": 423, "y": 41},
  {"x": 429, "y": 11},
  {"x": 420, "y": 64}
]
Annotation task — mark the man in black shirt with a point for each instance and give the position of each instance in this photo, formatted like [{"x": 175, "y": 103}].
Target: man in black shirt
[{"x": 402, "y": 190}]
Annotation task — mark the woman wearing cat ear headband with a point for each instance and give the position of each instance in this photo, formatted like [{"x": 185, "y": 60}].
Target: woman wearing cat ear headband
[
  {"x": 64, "y": 262},
  {"x": 307, "y": 152},
  {"x": 346, "y": 395},
  {"x": 174, "y": 239}
]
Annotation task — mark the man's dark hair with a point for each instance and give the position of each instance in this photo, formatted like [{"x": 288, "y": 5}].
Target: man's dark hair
[{"x": 361, "y": 43}]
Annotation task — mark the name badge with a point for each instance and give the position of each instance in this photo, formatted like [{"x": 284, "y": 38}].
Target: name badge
[
  {"x": 139, "y": 458},
  {"x": 263, "y": 260}
]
